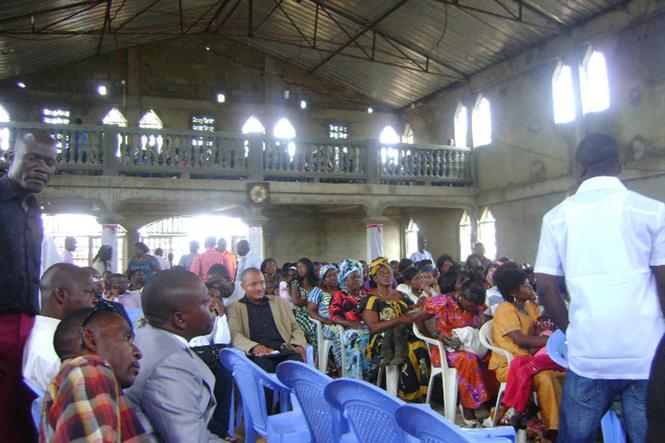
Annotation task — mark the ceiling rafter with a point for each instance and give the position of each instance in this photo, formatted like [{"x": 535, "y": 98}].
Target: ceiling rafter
[
  {"x": 228, "y": 16},
  {"x": 135, "y": 16},
  {"x": 47, "y": 11},
  {"x": 222, "y": 5}
]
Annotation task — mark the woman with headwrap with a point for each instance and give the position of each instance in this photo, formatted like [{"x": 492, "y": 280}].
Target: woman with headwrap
[
  {"x": 319, "y": 299},
  {"x": 299, "y": 290},
  {"x": 344, "y": 311},
  {"x": 386, "y": 309}
]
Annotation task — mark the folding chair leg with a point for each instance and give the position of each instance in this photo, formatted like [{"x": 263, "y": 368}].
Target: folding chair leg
[
  {"x": 392, "y": 379},
  {"x": 449, "y": 395}
]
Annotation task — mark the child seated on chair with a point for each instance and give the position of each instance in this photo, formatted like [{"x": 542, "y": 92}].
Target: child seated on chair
[{"x": 516, "y": 289}]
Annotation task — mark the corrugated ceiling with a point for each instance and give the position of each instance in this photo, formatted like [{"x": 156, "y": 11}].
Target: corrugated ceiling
[{"x": 395, "y": 51}]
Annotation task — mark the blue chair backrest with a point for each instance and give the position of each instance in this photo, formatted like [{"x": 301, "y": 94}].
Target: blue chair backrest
[
  {"x": 557, "y": 349},
  {"x": 428, "y": 426},
  {"x": 134, "y": 314},
  {"x": 370, "y": 410},
  {"x": 308, "y": 384},
  {"x": 35, "y": 408},
  {"x": 249, "y": 379}
]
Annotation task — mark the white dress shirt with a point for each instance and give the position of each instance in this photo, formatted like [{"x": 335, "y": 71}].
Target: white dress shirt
[
  {"x": 603, "y": 240},
  {"x": 420, "y": 256},
  {"x": 40, "y": 362}
]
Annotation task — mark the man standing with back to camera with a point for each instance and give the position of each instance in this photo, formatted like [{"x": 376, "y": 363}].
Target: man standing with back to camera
[{"x": 21, "y": 234}]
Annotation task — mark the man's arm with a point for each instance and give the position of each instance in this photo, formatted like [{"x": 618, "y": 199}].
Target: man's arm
[
  {"x": 548, "y": 294},
  {"x": 175, "y": 401},
  {"x": 659, "y": 273},
  {"x": 238, "y": 338}
]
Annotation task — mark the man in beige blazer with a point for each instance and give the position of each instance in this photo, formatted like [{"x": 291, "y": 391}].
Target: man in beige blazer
[{"x": 264, "y": 326}]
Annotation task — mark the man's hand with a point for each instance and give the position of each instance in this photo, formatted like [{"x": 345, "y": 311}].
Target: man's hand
[
  {"x": 301, "y": 351},
  {"x": 260, "y": 351}
]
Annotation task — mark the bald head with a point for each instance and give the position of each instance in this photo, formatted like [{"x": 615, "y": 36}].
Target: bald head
[
  {"x": 33, "y": 163},
  {"x": 596, "y": 155},
  {"x": 64, "y": 288}
]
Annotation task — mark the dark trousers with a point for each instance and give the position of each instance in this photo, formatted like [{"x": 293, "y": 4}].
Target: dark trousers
[
  {"x": 16, "y": 424},
  {"x": 219, "y": 423},
  {"x": 269, "y": 363},
  {"x": 656, "y": 396}
]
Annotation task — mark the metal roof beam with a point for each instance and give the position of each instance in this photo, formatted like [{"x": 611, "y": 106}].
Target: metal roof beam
[
  {"x": 267, "y": 17},
  {"x": 406, "y": 46},
  {"x": 228, "y": 16},
  {"x": 107, "y": 24},
  {"x": 71, "y": 16},
  {"x": 46, "y": 11},
  {"x": 358, "y": 35},
  {"x": 135, "y": 16},
  {"x": 198, "y": 20},
  {"x": 339, "y": 25},
  {"x": 295, "y": 26}
]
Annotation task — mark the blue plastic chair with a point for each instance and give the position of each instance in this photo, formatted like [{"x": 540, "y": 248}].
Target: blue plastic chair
[
  {"x": 288, "y": 427},
  {"x": 325, "y": 423},
  {"x": 370, "y": 410},
  {"x": 429, "y": 426},
  {"x": 35, "y": 409},
  {"x": 134, "y": 314},
  {"x": 557, "y": 349}
]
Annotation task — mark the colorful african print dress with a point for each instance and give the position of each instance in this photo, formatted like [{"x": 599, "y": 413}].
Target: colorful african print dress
[
  {"x": 414, "y": 373},
  {"x": 355, "y": 341},
  {"x": 302, "y": 316},
  {"x": 476, "y": 383}
]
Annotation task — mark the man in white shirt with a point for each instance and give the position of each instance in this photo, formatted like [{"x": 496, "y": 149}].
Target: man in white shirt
[
  {"x": 421, "y": 254},
  {"x": 68, "y": 253},
  {"x": 164, "y": 263},
  {"x": 64, "y": 288},
  {"x": 609, "y": 243}
]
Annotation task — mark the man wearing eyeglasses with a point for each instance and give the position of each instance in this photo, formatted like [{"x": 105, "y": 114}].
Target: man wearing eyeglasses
[
  {"x": 21, "y": 234},
  {"x": 85, "y": 402}
]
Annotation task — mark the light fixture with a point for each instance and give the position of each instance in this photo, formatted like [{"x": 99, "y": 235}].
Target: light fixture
[
  {"x": 303, "y": 104},
  {"x": 21, "y": 84},
  {"x": 221, "y": 98},
  {"x": 207, "y": 48},
  {"x": 370, "y": 110},
  {"x": 287, "y": 93},
  {"x": 101, "y": 90}
]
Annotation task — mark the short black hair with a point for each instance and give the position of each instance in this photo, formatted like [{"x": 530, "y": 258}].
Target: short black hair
[
  {"x": 442, "y": 259},
  {"x": 475, "y": 293},
  {"x": 66, "y": 336},
  {"x": 599, "y": 154},
  {"x": 410, "y": 273},
  {"x": 142, "y": 246},
  {"x": 218, "y": 269},
  {"x": 265, "y": 262},
  {"x": 509, "y": 280},
  {"x": 404, "y": 263}
]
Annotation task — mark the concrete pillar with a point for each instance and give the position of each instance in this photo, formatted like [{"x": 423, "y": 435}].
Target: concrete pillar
[
  {"x": 374, "y": 230},
  {"x": 110, "y": 225},
  {"x": 255, "y": 221}
]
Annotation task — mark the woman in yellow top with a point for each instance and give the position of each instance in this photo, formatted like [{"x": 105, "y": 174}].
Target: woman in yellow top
[{"x": 514, "y": 330}]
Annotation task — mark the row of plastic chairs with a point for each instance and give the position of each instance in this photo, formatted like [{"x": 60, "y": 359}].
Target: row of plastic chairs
[{"x": 343, "y": 410}]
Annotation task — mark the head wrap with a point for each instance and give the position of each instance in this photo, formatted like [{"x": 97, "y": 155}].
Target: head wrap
[
  {"x": 346, "y": 268},
  {"x": 324, "y": 270},
  {"x": 377, "y": 264}
]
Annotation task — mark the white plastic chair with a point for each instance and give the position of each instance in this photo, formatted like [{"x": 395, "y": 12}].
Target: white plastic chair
[
  {"x": 323, "y": 346},
  {"x": 448, "y": 376},
  {"x": 487, "y": 341}
]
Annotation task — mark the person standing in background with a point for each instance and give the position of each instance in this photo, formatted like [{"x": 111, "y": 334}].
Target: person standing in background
[
  {"x": 70, "y": 247},
  {"x": 21, "y": 234},
  {"x": 187, "y": 260},
  {"x": 231, "y": 262}
]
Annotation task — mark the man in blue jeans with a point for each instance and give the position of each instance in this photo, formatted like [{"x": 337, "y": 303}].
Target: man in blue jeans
[{"x": 609, "y": 243}]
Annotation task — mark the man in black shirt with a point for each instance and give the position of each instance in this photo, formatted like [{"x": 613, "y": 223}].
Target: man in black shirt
[
  {"x": 264, "y": 326},
  {"x": 21, "y": 234}
]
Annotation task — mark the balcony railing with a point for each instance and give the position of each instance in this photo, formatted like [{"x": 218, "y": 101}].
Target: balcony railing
[{"x": 113, "y": 151}]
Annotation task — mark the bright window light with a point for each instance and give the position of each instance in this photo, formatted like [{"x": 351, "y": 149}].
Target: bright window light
[
  {"x": 4, "y": 132},
  {"x": 408, "y": 135},
  {"x": 303, "y": 104},
  {"x": 55, "y": 116},
  {"x": 151, "y": 120},
  {"x": 465, "y": 236},
  {"x": 114, "y": 118},
  {"x": 563, "y": 94},
  {"x": 21, "y": 85},
  {"x": 482, "y": 122},
  {"x": 594, "y": 83},
  {"x": 101, "y": 90},
  {"x": 284, "y": 129},
  {"x": 461, "y": 125},
  {"x": 487, "y": 233},
  {"x": 370, "y": 110},
  {"x": 388, "y": 136},
  {"x": 253, "y": 126},
  {"x": 221, "y": 98}
]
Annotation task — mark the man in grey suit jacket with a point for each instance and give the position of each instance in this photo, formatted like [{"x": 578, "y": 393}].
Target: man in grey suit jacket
[
  {"x": 264, "y": 326},
  {"x": 175, "y": 388}
]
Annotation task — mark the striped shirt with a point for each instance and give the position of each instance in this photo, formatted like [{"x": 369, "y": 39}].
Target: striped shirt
[
  {"x": 203, "y": 262},
  {"x": 84, "y": 403}
]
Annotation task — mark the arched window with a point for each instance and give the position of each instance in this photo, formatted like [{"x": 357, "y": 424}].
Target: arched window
[
  {"x": 563, "y": 94},
  {"x": 114, "y": 118},
  {"x": 151, "y": 120},
  {"x": 461, "y": 125},
  {"x": 411, "y": 238},
  {"x": 407, "y": 137},
  {"x": 487, "y": 233},
  {"x": 4, "y": 132},
  {"x": 481, "y": 122},
  {"x": 465, "y": 236},
  {"x": 387, "y": 138},
  {"x": 594, "y": 84},
  {"x": 285, "y": 131},
  {"x": 253, "y": 126}
]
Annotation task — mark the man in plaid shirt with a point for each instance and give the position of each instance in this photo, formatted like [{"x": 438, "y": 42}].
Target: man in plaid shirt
[{"x": 85, "y": 402}]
